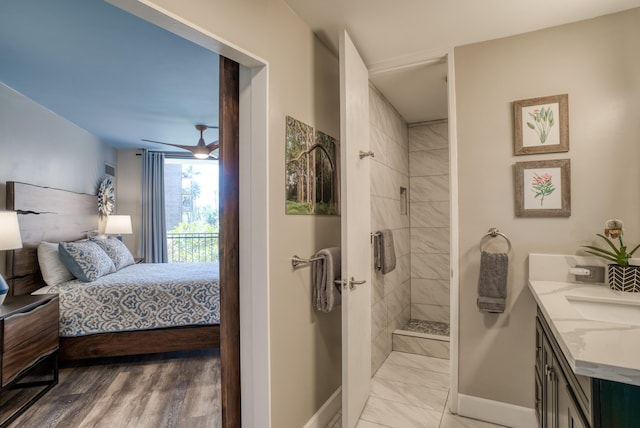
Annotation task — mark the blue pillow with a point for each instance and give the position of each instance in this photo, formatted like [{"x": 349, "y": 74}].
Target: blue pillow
[
  {"x": 116, "y": 250},
  {"x": 85, "y": 259}
]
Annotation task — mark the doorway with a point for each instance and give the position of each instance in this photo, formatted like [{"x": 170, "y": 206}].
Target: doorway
[
  {"x": 253, "y": 297},
  {"x": 419, "y": 314}
]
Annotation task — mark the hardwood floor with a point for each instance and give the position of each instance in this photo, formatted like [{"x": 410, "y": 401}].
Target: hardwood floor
[{"x": 168, "y": 390}]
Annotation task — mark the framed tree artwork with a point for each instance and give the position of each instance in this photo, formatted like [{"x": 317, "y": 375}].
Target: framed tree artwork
[
  {"x": 541, "y": 125},
  {"x": 543, "y": 188},
  {"x": 312, "y": 181}
]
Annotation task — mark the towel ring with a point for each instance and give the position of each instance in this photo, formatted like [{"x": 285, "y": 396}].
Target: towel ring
[{"x": 493, "y": 232}]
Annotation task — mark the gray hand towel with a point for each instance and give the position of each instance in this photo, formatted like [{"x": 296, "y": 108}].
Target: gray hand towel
[
  {"x": 384, "y": 251},
  {"x": 324, "y": 272},
  {"x": 492, "y": 282}
]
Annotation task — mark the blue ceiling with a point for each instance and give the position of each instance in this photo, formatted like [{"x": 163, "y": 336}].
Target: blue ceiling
[{"x": 109, "y": 72}]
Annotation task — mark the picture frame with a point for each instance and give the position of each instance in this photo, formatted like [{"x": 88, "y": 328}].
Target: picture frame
[
  {"x": 312, "y": 171},
  {"x": 541, "y": 125},
  {"x": 543, "y": 188}
]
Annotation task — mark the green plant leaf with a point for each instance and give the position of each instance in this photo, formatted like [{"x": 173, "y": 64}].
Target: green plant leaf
[
  {"x": 602, "y": 253},
  {"x": 611, "y": 244},
  {"x": 591, "y": 247},
  {"x": 634, "y": 250},
  {"x": 613, "y": 259},
  {"x": 530, "y": 125}
]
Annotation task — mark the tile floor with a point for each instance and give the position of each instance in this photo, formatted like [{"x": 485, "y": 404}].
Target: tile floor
[{"x": 411, "y": 391}]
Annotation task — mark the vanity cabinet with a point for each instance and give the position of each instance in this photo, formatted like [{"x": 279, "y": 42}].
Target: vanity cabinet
[
  {"x": 562, "y": 398},
  {"x": 567, "y": 400}
]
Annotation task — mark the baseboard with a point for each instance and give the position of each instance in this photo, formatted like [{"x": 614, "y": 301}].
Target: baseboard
[
  {"x": 496, "y": 412},
  {"x": 328, "y": 410}
]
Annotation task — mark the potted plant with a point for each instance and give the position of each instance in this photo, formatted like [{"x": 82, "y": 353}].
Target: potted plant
[{"x": 622, "y": 276}]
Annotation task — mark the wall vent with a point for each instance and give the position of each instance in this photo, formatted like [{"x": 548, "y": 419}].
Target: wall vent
[{"x": 110, "y": 170}]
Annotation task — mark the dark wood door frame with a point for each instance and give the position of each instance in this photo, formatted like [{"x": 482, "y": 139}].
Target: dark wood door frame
[{"x": 229, "y": 139}]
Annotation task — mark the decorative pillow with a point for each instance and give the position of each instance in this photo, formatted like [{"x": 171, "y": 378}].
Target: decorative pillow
[
  {"x": 116, "y": 250},
  {"x": 85, "y": 259},
  {"x": 54, "y": 272}
]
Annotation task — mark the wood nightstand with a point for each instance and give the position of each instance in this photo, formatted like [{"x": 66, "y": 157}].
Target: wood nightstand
[{"x": 28, "y": 352}]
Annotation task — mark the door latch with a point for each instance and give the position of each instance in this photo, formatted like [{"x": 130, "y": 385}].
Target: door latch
[{"x": 353, "y": 283}]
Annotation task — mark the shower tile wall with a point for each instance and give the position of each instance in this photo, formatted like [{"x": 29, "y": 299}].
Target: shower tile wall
[
  {"x": 390, "y": 300},
  {"x": 429, "y": 212}
]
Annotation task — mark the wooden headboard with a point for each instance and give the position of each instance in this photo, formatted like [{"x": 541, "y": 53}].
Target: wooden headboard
[{"x": 44, "y": 214}]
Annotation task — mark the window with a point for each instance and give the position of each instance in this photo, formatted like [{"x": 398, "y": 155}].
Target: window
[{"x": 191, "y": 208}]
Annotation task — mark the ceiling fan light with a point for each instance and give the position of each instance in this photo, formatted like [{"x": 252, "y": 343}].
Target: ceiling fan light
[{"x": 200, "y": 152}]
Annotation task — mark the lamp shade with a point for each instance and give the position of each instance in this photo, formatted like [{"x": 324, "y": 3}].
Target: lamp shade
[
  {"x": 118, "y": 225},
  {"x": 9, "y": 231}
]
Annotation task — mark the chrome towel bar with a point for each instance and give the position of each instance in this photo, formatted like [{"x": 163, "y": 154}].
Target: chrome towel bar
[
  {"x": 298, "y": 261},
  {"x": 364, "y": 154}
]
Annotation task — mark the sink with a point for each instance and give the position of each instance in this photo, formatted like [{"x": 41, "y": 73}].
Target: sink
[{"x": 612, "y": 310}]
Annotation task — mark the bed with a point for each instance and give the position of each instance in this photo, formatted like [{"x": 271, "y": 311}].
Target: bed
[{"x": 135, "y": 310}]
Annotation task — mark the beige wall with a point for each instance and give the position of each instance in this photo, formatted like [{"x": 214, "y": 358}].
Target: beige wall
[
  {"x": 129, "y": 194},
  {"x": 303, "y": 83},
  {"x": 390, "y": 299},
  {"x": 597, "y": 63},
  {"x": 40, "y": 147}
]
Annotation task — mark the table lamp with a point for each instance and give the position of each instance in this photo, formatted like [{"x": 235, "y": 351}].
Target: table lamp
[
  {"x": 9, "y": 240},
  {"x": 118, "y": 225}
]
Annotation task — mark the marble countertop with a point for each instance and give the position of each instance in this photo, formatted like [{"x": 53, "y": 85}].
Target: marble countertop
[{"x": 597, "y": 349}]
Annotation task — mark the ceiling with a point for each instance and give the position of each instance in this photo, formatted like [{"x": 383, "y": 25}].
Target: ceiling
[
  {"x": 419, "y": 93},
  {"x": 124, "y": 79},
  {"x": 109, "y": 72},
  {"x": 393, "y": 34}
]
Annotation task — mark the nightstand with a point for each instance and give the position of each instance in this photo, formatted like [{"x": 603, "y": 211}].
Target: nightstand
[{"x": 28, "y": 352}]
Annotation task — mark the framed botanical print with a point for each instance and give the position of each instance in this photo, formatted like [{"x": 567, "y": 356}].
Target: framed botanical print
[
  {"x": 541, "y": 125},
  {"x": 543, "y": 188}
]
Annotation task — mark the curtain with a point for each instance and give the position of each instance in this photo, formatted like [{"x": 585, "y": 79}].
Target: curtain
[{"x": 153, "y": 242}]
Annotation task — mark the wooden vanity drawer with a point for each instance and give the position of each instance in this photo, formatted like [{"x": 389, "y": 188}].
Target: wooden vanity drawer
[{"x": 27, "y": 337}]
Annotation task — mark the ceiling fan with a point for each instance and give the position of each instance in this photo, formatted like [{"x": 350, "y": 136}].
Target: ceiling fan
[{"x": 200, "y": 150}]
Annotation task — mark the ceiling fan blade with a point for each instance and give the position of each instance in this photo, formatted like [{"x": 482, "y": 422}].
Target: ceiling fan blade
[
  {"x": 180, "y": 146},
  {"x": 200, "y": 150},
  {"x": 153, "y": 141}
]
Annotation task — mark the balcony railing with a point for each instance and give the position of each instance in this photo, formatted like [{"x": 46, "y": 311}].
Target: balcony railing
[{"x": 192, "y": 247}]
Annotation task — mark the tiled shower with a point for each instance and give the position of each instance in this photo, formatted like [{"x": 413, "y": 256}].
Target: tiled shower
[{"x": 410, "y": 196}]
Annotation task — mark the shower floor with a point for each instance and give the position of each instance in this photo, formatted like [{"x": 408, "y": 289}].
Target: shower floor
[
  {"x": 430, "y": 338},
  {"x": 427, "y": 327}
]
